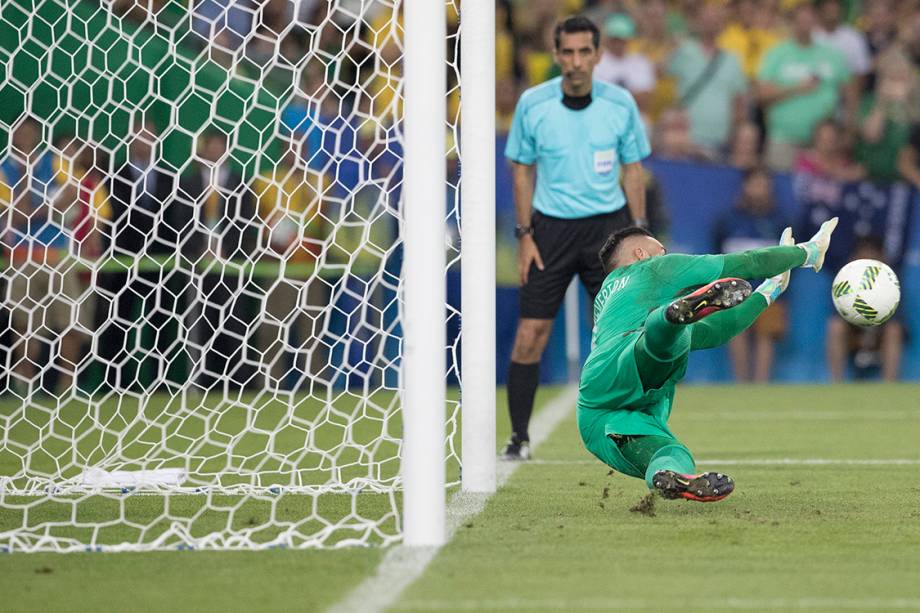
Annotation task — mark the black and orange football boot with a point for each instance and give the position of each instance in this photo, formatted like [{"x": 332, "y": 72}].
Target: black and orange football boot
[
  {"x": 707, "y": 487},
  {"x": 717, "y": 296}
]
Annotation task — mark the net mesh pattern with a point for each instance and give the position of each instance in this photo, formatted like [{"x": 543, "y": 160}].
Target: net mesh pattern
[{"x": 201, "y": 273}]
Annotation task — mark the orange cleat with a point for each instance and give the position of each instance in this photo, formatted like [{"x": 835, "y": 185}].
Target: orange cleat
[
  {"x": 707, "y": 487},
  {"x": 717, "y": 296}
]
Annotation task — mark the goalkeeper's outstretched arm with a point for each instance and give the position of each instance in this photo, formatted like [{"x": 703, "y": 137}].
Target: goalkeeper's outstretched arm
[
  {"x": 681, "y": 271},
  {"x": 762, "y": 263},
  {"x": 677, "y": 272}
]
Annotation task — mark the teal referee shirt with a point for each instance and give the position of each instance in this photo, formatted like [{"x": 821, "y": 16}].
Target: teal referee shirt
[{"x": 578, "y": 153}]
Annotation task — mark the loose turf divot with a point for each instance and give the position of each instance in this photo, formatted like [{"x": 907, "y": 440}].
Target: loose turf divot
[{"x": 646, "y": 506}]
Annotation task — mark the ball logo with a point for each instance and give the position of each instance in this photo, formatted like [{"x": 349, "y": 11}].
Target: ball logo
[
  {"x": 841, "y": 288},
  {"x": 863, "y": 308},
  {"x": 870, "y": 274}
]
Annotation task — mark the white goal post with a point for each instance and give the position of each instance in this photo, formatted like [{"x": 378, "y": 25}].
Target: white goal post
[
  {"x": 477, "y": 139},
  {"x": 426, "y": 290}
]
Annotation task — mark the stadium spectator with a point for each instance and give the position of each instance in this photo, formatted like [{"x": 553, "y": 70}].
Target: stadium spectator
[
  {"x": 800, "y": 83},
  {"x": 504, "y": 41},
  {"x": 745, "y": 147},
  {"x": 85, "y": 204},
  {"x": 621, "y": 67},
  {"x": 599, "y": 10},
  {"x": 169, "y": 14},
  {"x": 79, "y": 170},
  {"x": 219, "y": 52},
  {"x": 832, "y": 31},
  {"x": 262, "y": 47},
  {"x": 571, "y": 126},
  {"x": 226, "y": 236},
  {"x": 145, "y": 223},
  {"x": 672, "y": 138},
  {"x": 312, "y": 106},
  {"x": 909, "y": 35},
  {"x": 290, "y": 207},
  {"x": 750, "y": 33},
  {"x": 380, "y": 89},
  {"x": 909, "y": 157},
  {"x": 505, "y": 98},
  {"x": 885, "y": 116},
  {"x": 659, "y": 221},
  {"x": 231, "y": 20},
  {"x": 872, "y": 351},
  {"x": 532, "y": 55},
  {"x": 345, "y": 14},
  {"x": 881, "y": 33},
  {"x": 40, "y": 291},
  {"x": 656, "y": 42},
  {"x": 754, "y": 222},
  {"x": 827, "y": 158},
  {"x": 710, "y": 83}
]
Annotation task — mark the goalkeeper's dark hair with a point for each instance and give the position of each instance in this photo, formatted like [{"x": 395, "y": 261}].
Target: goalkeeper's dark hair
[
  {"x": 608, "y": 253},
  {"x": 574, "y": 24}
]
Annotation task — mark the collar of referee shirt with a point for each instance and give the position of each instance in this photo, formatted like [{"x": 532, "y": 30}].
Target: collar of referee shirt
[{"x": 576, "y": 103}]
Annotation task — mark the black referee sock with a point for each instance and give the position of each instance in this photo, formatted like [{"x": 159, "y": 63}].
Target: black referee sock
[{"x": 522, "y": 387}]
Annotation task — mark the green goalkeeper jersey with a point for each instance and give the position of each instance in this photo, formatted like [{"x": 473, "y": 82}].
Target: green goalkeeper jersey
[{"x": 612, "y": 399}]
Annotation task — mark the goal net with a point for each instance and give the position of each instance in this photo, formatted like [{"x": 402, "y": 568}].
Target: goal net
[{"x": 202, "y": 305}]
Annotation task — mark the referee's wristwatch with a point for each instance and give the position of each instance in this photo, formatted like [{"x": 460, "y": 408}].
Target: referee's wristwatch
[
  {"x": 641, "y": 222},
  {"x": 522, "y": 231}
]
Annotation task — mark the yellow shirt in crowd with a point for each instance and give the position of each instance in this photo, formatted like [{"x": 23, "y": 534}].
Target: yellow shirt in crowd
[
  {"x": 100, "y": 197},
  {"x": 62, "y": 173},
  {"x": 750, "y": 45},
  {"x": 659, "y": 53},
  {"x": 291, "y": 199},
  {"x": 385, "y": 34}
]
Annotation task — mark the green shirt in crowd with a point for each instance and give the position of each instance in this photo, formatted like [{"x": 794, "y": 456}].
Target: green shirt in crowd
[
  {"x": 880, "y": 158},
  {"x": 710, "y": 108},
  {"x": 793, "y": 119}
]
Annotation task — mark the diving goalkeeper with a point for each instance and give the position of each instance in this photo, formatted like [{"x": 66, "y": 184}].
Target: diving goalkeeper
[{"x": 648, "y": 319}]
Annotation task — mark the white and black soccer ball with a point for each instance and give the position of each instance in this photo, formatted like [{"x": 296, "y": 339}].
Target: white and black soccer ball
[{"x": 866, "y": 292}]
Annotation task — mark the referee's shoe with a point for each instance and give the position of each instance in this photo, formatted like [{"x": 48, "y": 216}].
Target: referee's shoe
[{"x": 515, "y": 450}]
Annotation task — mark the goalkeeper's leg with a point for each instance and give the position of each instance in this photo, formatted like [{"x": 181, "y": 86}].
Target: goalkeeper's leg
[
  {"x": 669, "y": 469},
  {"x": 668, "y": 337}
]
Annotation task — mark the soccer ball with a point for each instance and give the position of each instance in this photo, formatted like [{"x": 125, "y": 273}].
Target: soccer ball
[{"x": 866, "y": 292}]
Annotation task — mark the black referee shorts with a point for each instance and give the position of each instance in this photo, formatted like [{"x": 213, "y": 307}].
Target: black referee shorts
[{"x": 568, "y": 247}]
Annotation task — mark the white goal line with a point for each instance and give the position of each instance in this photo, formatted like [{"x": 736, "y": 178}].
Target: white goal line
[
  {"x": 768, "y": 462},
  {"x": 609, "y": 604}
]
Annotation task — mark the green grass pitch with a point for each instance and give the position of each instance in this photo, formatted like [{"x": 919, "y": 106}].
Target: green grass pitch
[{"x": 825, "y": 516}]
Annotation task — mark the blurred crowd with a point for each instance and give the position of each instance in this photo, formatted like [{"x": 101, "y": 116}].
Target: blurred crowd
[
  {"x": 826, "y": 89},
  {"x": 148, "y": 273},
  {"x": 829, "y": 85},
  {"x": 199, "y": 268}
]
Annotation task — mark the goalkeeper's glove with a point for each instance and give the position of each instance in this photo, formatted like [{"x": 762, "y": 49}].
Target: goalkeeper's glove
[
  {"x": 817, "y": 246},
  {"x": 774, "y": 286}
]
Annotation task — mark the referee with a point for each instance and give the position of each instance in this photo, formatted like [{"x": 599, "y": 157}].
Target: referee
[{"x": 569, "y": 141}]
